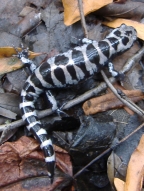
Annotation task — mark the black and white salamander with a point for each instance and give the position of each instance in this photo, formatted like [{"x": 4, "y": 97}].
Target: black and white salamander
[{"x": 64, "y": 70}]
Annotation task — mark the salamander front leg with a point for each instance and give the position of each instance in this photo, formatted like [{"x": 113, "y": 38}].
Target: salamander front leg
[
  {"x": 23, "y": 56},
  {"x": 54, "y": 106},
  {"x": 115, "y": 73}
]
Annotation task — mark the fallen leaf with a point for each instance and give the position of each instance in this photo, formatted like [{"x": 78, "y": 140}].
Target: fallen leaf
[
  {"x": 128, "y": 10},
  {"x": 10, "y": 101},
  {"x": 63, "y": 160},
  {"x": 113, "y": 164},
  {"x": 71, "y": 9},
  {"x": 109, "y": 101},
  {"x": 138, "y": 26},
  {"x": 27, "y": 24},
  {"x": 9, "y": 63},
  {"x": 26, "y": 10},
  {"x": 110, "y": 168},
  {"x": 135, "y": 170},
  {"x": 23, "y": 168},
  {"x": 7, "y": 113},
  {"x": 11, "y": 162},
  {"x": 119, "y": 184},
  {"x": 10, "y": 51}
]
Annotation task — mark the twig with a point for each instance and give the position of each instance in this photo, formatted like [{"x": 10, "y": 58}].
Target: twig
[
  {"x": 131, "y": 62},
  {"x": 125, "y": 102},
  {"x": 93, "y": 92},
  {"x": 80, "y": 4},
  {"x": 107, "y": 151},
  {"x": 131, "y": 102},
  {"x": 44, "y": 113}
]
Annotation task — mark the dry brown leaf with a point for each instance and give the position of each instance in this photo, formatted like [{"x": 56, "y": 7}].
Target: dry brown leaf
[
  {"x": 12, "y": 161},
  {"x": 71, "y": 10},
  {"x": 119, "y": 184},
  {"x": 138, "y": 26},
  {"x": 22, "y": 166},
  {"x": 128, "y": 10},
  {"x": 63, "y": 160},
  {"x": 9, "y": 51},
  {"x": 9, "y": 63},
  {"x": 109, "y": 101},
  {"x": 135, "y": 170}
]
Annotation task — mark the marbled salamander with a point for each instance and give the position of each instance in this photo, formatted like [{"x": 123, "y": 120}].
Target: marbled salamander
[{"x": 68, "y": 69}]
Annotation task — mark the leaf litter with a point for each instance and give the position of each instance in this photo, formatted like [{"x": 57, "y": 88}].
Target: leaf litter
[
  {"x": 26, "y": 157},
  {"x": 23, "y": 159}
]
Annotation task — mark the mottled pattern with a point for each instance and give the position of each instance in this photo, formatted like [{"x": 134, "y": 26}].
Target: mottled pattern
[{"x": 68, "y": 69}]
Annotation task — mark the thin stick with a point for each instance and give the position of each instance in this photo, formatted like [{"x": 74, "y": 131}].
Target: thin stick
[
  {"x": 131, "y": 62},
  {"x": 47, "y": 112},
  {"x": 80, "y": 4},
  {"x": 125, "y": 102}
]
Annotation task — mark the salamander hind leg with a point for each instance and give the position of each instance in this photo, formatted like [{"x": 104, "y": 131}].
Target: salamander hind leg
[{"x": 54, "y": 106}]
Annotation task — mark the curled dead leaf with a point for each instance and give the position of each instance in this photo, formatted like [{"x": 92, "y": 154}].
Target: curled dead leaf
[
  {"x": 129, "y": 9},
  {"x": 109, "y": 101}
]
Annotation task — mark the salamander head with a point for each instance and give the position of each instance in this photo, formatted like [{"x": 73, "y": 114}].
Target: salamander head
[{"x": 125, "y": 35}]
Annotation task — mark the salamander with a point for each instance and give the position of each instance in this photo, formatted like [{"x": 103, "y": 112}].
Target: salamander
[{"x": 64, "y": 70}]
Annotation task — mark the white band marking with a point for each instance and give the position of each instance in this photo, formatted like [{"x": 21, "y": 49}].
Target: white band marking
[
  {"x": 50, "y": 159},
  {"x": 46, "y": 143},
  {"x": 28, "y": 103},
  {"x": 41, "y": 132},
  {"x": 32, "y": 124},
  {"x": 26, "y": 115}
]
